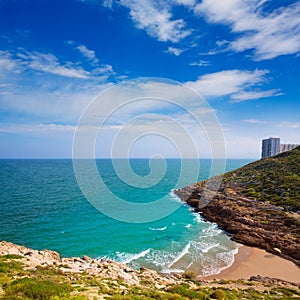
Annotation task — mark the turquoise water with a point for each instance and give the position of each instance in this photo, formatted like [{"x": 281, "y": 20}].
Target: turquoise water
[{"x": 42, "y": 207}]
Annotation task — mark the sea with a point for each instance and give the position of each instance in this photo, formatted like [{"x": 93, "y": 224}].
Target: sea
[{"x": 42, "y": 207}]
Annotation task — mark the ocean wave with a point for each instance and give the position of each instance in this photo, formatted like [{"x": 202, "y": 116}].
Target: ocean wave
[
  {"x": 126, "y": 258},
  {"x": 187, "y": 226},
  {"x": 173, "y": 196},
  {"x": 169, "y": 271},
  {"x": 198, "y": 218},
  {"x": 184, "y": 251},
  {"x": 212, "y": 230},
  {"x": 225, "y": 257},
  {"x": 205, "y": 250},
  {"x": 105, "y": 257},
  {"x": 158, "y": 229}
]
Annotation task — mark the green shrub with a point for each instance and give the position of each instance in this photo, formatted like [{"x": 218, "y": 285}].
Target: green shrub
[
  {"x": 286, "y": 291},
  {"x": 11, "y": 256},
  {"x": 218, "y": 294},
  {"x": 36, "y": 289},
  {"x": 68, "y": 298},
  {"x": 265, "y": 222},
  {"x": 189, "y": 275},
  {"x": 10, "y": 267},
  {"x": 186, "y": 291}
]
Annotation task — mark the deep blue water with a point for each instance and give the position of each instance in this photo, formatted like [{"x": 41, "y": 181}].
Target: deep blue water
[{"x": 43, "y": 207}]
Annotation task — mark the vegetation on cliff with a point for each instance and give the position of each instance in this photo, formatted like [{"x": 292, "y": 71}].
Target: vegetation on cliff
[
  {"x": 258, "y": 204},
  {"x": 275, "y": 179}
]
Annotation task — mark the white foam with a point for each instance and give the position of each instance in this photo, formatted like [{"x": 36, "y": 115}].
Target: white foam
[
  {"x": 184, "y": 251},
  {"x": 188, "y": 225},
  {"x": 229, "y": 262},
  {"x": 105, "y": 257},
  {"x": 212, "y": 230},
  {"x": 173, "y": 196},
  {"x": 131, "y": 257},
  {"x": 198, "y": 218},
  {"x": 158, "y": 229},
  {"x": 210, "y": 247},
  {"x": 169, "y": 271}
]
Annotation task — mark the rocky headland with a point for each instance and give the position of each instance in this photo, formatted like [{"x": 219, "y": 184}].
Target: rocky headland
[{"x": 258, "y": 204}]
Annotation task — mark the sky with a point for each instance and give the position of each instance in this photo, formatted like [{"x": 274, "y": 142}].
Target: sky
[{"x": 241, "y": 56}]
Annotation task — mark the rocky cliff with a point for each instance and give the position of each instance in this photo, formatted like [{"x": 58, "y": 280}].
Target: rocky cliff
[{"x": 257, "y": 204}]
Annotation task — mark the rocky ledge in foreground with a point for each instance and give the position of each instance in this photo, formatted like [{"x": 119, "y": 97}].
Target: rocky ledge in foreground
[
  {"x": 31, "y": 274},
  {"x": 33, "y": 259},
  {"x": 258, "y": 204}
]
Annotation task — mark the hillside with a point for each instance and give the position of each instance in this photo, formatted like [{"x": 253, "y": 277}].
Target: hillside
[
  {"x": 31, "y": 274},
  {"x": 275, "y": 179},
  {"x": 257, "y": 204}
]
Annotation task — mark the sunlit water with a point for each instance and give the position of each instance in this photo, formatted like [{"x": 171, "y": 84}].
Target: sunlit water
[{"x": 42, "y": 207}]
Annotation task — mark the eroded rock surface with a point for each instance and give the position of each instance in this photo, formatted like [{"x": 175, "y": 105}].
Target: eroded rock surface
[{"x": 250, "y": 221}]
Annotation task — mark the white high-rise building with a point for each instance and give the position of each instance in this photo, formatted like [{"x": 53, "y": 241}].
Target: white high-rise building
[
  {"x": 287, "y": 147},
  {"x": 270, "y": 147}
]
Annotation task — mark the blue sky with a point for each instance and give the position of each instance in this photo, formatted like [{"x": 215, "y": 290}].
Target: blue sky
[{"x": 242, "y": 56}]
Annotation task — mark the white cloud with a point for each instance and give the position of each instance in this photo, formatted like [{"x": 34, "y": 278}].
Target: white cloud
[
  {"x": 16, "y": 62},
  {"x": 201, "y": 63},
  {"x": 174, "y": 51},
  {"x": 87, "y": 53},
  {"x": 188, "y": 3},
  {"x": 36, "y": 128},
  {"x": 156, "y": 19},
  {"x": 235, "y": 83},
  {"x": 49, "y": 63},
  {"x": 108, "y": 3},
  {"x": 292, "y": 125},
  {"x": 253, "y": 95},
  {"x": 226, "y": 82},
  {"x": 103, "y": 70},
  {"x": 50, "y": 102},
  {"x": 269, "y": 34},
  {"x": 220, "y": 47},
  {"x": 2, "y": 85},
  {"x": 7, "y": 63},
  {"x": 279, "y": 124},
  {"x": 254, "y": 121}
]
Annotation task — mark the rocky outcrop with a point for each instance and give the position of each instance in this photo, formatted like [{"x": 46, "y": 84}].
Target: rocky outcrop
[
  {"x": 257, "y": 204},
  {"x": 32, "y": 274},
  {"x": 109, "y": 269},
  {"x": 249, "y": 221}
]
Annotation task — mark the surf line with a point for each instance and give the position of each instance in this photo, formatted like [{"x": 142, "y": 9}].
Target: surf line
[
  {"x": 158, "y": 229},
  {"x": 136, "y": 256},
  {"x": 181, "y": 254}
]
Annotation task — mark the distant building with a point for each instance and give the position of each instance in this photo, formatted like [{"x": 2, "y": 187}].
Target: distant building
[
  {"x": 270, "y": 147},
  {"x": 287, "y": 147}
]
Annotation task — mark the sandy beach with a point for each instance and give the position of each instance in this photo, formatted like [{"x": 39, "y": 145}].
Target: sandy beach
[{"x": 251, "y": 261}]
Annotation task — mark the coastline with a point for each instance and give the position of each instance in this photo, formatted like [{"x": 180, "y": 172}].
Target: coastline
[
  {"x": 43, "y": 274},
  {"x": 251, "y": 261}
]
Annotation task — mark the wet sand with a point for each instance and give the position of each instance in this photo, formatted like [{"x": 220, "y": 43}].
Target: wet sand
[{"x": 251, "y": 261}]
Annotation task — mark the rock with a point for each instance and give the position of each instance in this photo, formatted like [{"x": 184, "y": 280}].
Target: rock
[
  {"x": 86, "y": 258},
  {"x": 250, "y": 222}
]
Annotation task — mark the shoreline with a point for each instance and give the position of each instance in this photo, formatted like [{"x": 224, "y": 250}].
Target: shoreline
[{"x": 251, "y": 261}]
